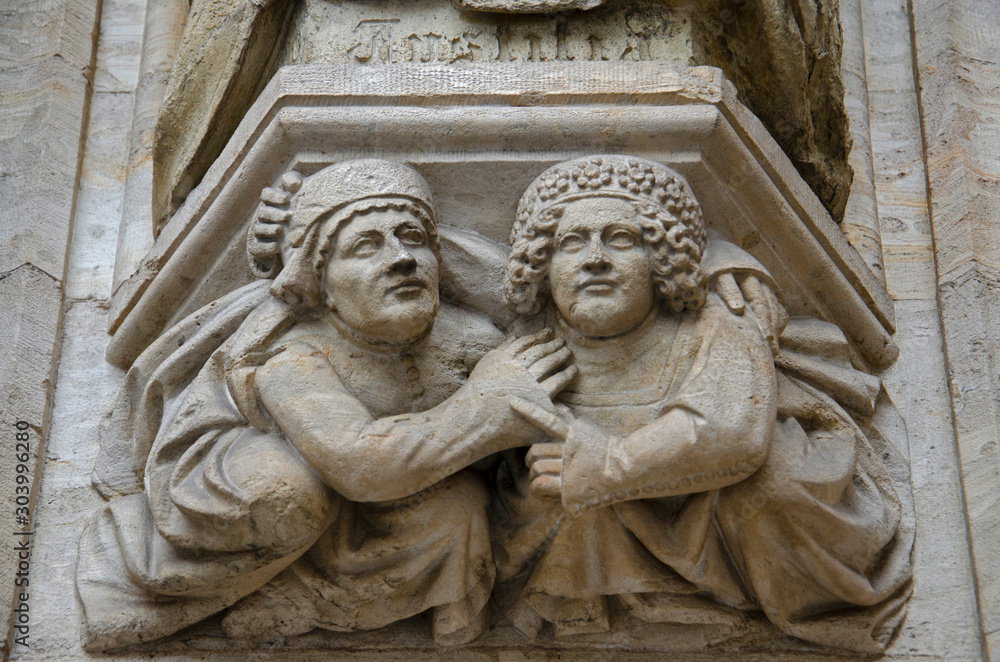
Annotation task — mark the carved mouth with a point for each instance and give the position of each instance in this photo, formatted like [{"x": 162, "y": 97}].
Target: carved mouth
[
  {"x": 598, "y": 285},
  {"x": 408, "y": 286}
]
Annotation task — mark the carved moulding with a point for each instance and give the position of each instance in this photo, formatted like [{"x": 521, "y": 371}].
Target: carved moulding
[
  {"x": 525, "y": 6},
  {"x": 477, "y": 134},
  {"x": 478, "y": 138}
]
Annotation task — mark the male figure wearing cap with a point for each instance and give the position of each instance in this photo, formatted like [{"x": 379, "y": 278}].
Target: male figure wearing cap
[
  {"x": 687, "y": 479},
  {"x": 321, "y": 450}
]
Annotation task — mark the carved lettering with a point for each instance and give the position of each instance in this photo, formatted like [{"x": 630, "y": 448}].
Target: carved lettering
[
  {"x": 463, "y": 47},
  {"x": 562, "y": 43},
  {"x": 535, "y": 48},
  {"x": 412, "y": 48},
  {"x": 374, "y": 40},
  {"x": 504, "y": 52},
  {"x": 376, "y": 43},
  {"x": 596, "y": 48},
  {"x": 431, "y": 53},
  {"x": 636, "y": 49}
]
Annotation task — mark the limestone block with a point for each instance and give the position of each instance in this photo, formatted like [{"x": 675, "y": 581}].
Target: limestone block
[
  {"x": 44, "y": 105},
  {"x": 163, "y": 25},
  {"x": 30, "y": 323},
  {"x": 98, "y": 207},
  {"x": 86, "y": 386},
  {"x": 45, "y": 56},
  {"x": 958, "y": 58},
  {"x": 920, "y": 376},
  {"x": 860, "y": 222},
  {"x": 119, "y": 46},
  {"x": 36, "y": 32}
]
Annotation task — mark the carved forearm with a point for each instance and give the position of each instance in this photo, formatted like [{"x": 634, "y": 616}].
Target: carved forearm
[
  {"x": 677, "y": 454},
  {"x": 713, "y": 432},
  {"x": 365, "y": 459}
]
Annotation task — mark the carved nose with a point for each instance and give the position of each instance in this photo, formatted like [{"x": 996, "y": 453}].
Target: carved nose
[
  {"x": 403, "y": 262},
  {"x": 597, "y": 260}
]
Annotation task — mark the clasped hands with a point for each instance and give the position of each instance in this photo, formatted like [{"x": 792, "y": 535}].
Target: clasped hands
[
  {"x": 523, "y": 377},
  {"x": 545, "y": 357}
]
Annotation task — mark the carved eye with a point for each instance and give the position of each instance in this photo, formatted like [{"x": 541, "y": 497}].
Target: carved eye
[
  {"x": 622, "y": 239},
  {"x": 364, "y": 247},
  {"x": 413, "y": 236},
  {"x": 572, "y": 242}
]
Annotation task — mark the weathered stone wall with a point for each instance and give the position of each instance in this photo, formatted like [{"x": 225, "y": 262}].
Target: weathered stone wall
[
  {"x": 785, "y": 60},
  {"x": 46, "y": 51},
  {"x": 946, "y": 620},
  {"x": 957, "y": 48}
]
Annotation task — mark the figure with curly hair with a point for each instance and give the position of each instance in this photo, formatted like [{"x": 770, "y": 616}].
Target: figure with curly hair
[{"x": 686, "y": 479}]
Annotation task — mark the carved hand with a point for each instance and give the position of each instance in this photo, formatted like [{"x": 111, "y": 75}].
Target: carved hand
[
  {"x": 533, "y": 368},
  {"x": 738, "y": 290},
  {"x": 545, "y": 460}
]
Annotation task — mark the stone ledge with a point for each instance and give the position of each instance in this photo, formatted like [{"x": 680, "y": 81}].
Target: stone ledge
[{"x": 534, "y": 115}]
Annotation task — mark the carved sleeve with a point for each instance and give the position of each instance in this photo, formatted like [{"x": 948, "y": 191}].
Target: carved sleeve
[
  {"x": 368, "y": 459},
  {"x": 713, "y": 432}
]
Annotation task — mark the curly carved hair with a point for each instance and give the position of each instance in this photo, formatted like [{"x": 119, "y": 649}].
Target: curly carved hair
[{"x": 675, "y": 235}]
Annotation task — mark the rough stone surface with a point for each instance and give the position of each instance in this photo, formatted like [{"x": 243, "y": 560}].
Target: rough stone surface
[
  {"x": 46, "y": 50},
  {"x": 958, "y": 58},
  {"x": 943, "y": 621},
  {"x": 98, "y": 207},
  {"x": 784, "y": 58},
  {"x": 792, "y": 83},
  {"x": 943, "y": 614},
  {"x": 164, "y": 22},
  {"x": 30, "y": 325},
  {"x": 45, "y": 55},
  {"x": 65, "y": 488},
  {"x": 860, "y": 224},
  {"x": 526, "y": 6}
]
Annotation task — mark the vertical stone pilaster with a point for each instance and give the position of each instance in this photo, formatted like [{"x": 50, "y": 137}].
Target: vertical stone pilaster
[
  {"x": 46, "y": 67},
  {"x": 944, "y": 595},
  {"x": 161, "y": 35},
  {"x": 860, "y": 223},
  {"x": 957, "y": 47}
]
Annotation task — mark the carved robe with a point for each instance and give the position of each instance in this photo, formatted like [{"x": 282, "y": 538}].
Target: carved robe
[
  {"x": 229, "y": 504},
  {"x": 698, "y": 483}
]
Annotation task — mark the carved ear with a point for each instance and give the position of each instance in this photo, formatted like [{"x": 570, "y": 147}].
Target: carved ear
[{"x": 265, "y": 233}]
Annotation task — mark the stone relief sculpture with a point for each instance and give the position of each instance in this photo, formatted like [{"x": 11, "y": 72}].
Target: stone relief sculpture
[
  {"x": 638, "y": 429},
  {"x": 328, "y": 433},
  {"x": 684, "y": 466}
]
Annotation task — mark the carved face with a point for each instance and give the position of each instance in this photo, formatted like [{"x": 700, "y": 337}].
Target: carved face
[
  {"x": 382, "y": 277},
  {"x": 600, "y": 274}
]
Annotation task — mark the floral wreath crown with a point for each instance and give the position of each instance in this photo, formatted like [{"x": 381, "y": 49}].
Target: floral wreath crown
[{"x": 627, "y": 177}]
